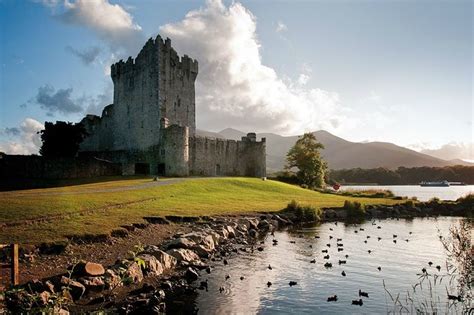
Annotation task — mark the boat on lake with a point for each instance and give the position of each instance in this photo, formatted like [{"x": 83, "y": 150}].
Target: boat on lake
[{"x": 443, "y": 183}]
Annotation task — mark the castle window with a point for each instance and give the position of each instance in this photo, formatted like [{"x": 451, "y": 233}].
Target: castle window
[
  {"x": 142, "y": 123},
  {"x": 179, "y": 102}
]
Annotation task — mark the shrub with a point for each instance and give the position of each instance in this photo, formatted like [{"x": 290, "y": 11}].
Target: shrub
[
  {"x": 466, "y": 201},
  {"x": 434, "y": 200},
  {"x": 354, "y": 208},
  {"x": 410, "y": 203},
  {"x": 303, "y": 213}
]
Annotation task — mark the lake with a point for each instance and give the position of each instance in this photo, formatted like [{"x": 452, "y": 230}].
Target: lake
[
  {"x": 422, "y": 193},
  {"x": 290, "y": 260}
]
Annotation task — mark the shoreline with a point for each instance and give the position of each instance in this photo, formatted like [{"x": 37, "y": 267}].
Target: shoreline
[{"x": 174, "y": 251}]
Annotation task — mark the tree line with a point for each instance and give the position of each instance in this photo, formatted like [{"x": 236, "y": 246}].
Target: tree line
[{"x": 403, "y": 175}]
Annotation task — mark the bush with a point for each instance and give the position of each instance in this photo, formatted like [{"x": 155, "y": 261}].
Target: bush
[
  {"x": 303, "y": 213},
  {"x": 354, "y": 208},
  {"x": 466, "y": 201},
  {"x": 410, "y": 203},
  {"x": 434, "y": 200}
]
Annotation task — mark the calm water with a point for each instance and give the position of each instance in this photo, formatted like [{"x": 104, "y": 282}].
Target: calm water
[
  {"x": 401, "y": 265},
  {"x": 422, "y": 193}
]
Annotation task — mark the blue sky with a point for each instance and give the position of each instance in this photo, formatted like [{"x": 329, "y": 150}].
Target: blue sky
[{"x": 397, "y": 71}]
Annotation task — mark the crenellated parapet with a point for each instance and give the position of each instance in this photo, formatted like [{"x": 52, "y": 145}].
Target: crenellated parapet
[{"x": 149, "y": 54}]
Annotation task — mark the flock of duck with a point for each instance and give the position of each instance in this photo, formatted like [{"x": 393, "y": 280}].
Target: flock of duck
[{"x": 328, "y": 265}]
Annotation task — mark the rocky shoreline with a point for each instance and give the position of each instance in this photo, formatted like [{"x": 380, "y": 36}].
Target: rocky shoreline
[{"x": 161, "y": 278}]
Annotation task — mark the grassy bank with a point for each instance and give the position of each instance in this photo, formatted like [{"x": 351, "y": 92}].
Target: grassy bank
[{"x": 101, "y": 207}]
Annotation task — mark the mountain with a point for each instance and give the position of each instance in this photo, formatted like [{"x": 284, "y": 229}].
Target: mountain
[{"x": 340, "y": 153}]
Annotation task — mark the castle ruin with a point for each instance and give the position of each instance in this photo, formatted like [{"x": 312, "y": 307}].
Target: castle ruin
[{"x": 151, "y": 126}]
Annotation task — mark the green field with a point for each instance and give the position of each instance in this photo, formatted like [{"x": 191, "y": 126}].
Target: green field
[{"x": 101, "y": 207}]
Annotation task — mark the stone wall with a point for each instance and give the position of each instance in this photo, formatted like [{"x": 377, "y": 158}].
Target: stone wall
[
  {"x": 38, "y": 167},
  {"x": 220, "y": 157}
]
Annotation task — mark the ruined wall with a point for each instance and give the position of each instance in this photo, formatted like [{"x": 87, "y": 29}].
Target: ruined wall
[
  {"x": 220, "y": 157},
  {"x": 38, "y": 167}
]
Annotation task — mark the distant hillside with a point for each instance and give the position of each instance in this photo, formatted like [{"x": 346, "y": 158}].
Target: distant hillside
[{"x": 340, "y": 153}]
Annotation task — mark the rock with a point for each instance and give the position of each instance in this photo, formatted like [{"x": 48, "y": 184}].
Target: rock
[
  {"x": 231, "y": 231},
  {"x": 165, "y": 259},
  {"x": 112, "y": 280},
  {"x": 89, "y": 269},
  {"x": 49, "y": 286},
  {"x": 94, "y": 283},
  {"x": 201, "y": 251},
  {"x": 253, "y": 233},
  {"x": 264, "y": 225},
  {"x": 180, "y": 242},
  {"x": 191, "y": 275},
  {"x": 152, "y": 265},
  {"x": 44, "y": 297},
  {"x": 182, "y": 254},
  {"x": 134, "y": 272},
  {"x": 75, "y": 288},
  {"x": 201, "y": 239},
  {"x": 223, "y": 233}
]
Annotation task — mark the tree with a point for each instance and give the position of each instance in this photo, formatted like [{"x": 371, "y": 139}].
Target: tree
[
  {"x": 305, "y": 156},
  {"x": 61, "y": 139}
]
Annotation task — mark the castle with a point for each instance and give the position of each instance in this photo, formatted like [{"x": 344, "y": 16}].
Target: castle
[{"x": 151, "y": 126}]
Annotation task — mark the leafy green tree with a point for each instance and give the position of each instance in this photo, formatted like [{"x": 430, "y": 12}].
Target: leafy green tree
[
  {"x": 305, "y": 156},
  {"x": 61, "y": 139}
]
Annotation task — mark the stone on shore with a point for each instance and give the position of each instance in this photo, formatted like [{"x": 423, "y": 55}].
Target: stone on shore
[
  {"x": 185, "y": 255},
  {"x": 165, "y": 259},
  {"x": 152, "y": 265}
]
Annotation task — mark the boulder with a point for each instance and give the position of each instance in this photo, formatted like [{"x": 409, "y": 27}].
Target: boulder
[
  {"x": 93, "y": 283},
  {"x": 231, "y": 231},
  {"x": 202, "y": 239},
  {"x": 152, "y": 265},
  {"x": 165, "y": 259},
  {"x": 191, "y": 274},
  {"x": 112, "y": 280},
  {"x": 76, "y": 289},
  {"x": 253, "y": 233},
  {"x": 180, "y": 242},
  {"x": 134, "y": 272},
  {"x": 264, "y": 225},
  {"x": 44, "y": 297},
  {"x": 182, "y": 254}
]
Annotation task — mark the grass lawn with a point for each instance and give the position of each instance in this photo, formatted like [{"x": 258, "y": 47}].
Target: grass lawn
[{"x": 92, "y": 209}]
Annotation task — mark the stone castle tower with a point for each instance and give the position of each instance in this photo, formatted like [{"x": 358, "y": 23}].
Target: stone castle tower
[{"x": 151, "y": 126}]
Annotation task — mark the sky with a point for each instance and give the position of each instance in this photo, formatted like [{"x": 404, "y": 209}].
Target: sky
[{"x": 394, "y": 71}]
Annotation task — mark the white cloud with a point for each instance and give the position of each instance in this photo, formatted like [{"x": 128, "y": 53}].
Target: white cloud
[
  {"x": 281, "y": 27},
  {"x": 26, "y": 141},
  {"x": 111, "y": 22},
  {"x": 374, "y": 97},
  {"x": 234, "y": 88},
  {"x": 303, "y": 78}
]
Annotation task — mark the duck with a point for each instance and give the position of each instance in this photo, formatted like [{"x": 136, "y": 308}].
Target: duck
[
  {"x": 364, "y": 294},
  {"x": 410, "y": 233},
  {"x": 342, "y": 262},
  {"x": 379, "y": 238},
  {"x": 357, "y": 302},
  {"x": 438, "y": 267},
  {"x": 328, "y": 245},
  {"x": 369, "y": 251},
  {"x": 407, "y": 240},
  {"x": 225, "y": 262},
  {"x": 423, "y": 270},
  {"x": 430, "y": 263},
  {"x": 328, "y": 265},
  {"x": 339, "y": 244},
  {"x": 330, "y": 237},
  {"x": 292, "y": 283},
  {"x": 395, "y": 235},
  {"x": 343, "y": 273},
  {"x": 242, "y": 277},
  {"x": 269, "y": 267},
  {"x": 361, "y": 229},
  {"x": 339, "y": 240},
  {"x": 292, "y": 242},
  {"x": 208, "y": 270},
  {"x": 356, "y": 231},
  {"x": 379, "y": 268},
  {"x": 326, "y": 257},
  {"x": 332, "y": 298},
  {"x": 227, "y": 277},
  {"x": 368, "y": 236},
  {"x": 316, "y": 236},
  {"x": 324, "y": 251},
  {"x": 310, "y": 246},
  {"x": 203, "y": 285},
  {"x": 340, "y": 249},
  {"x": 330, "y": 229},
  {"x": 395, "y": 241},
  {"x": 365, "y": 241},
  {"x": 275, "y": 241},
  {"x": 313, "y": 261},
  {"x": 269, "y": 284},
  {"x": 379, "y": 227},
  {"x": 347, "y": 256},
  {"x": 221, "y": 289}
]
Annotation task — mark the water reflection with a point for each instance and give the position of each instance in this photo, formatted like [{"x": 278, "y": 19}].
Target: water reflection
[{"x": 400, "y": 262}]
